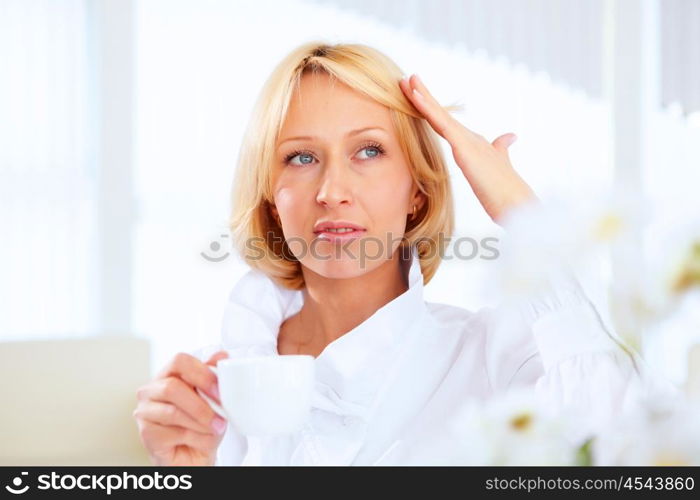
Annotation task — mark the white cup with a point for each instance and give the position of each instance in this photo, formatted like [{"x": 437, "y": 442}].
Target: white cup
[{"x": 265, "y": 395}]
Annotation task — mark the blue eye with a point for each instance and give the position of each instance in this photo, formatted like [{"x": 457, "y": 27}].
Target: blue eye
[
  {"x": 306, "y": 157},
  {"x": 290, "y": 156},
  {"x": 378, "y": 151}
]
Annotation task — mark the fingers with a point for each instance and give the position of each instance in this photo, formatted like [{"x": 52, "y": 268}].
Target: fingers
[
  {"x": 169, "y": 414},
  {"x": 505, "y": 141},
  {"x": 192, "y": 371},
  {"x": 177, "y": 393},
  {"x": 439, "y": 119},
  {"x": 174, "y": 421},
  {"x": 162, "y": 439},
  {"x": 444, "y": 124},
  {"x": 217, "y": 356}
]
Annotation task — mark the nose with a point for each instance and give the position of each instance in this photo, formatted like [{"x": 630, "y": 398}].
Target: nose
[{"x": 335, "y": 185}]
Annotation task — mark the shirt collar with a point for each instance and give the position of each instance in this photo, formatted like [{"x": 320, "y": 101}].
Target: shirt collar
[{"x": 350, "y": 369}]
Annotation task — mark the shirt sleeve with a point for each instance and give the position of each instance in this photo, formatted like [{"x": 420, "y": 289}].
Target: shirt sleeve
[
  {"x": 565, "y": 323},
  {"x": 561, "y": 346}
]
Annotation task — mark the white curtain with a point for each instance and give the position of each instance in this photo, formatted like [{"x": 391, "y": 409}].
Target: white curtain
[
  {"x": 46, "y": 174},
  {"x": 563, "y": 38},
  {"x": 680, "y": 45}
]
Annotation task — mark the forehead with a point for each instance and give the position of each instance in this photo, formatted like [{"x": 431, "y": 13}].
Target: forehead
[{"x": 323, "y": 106}]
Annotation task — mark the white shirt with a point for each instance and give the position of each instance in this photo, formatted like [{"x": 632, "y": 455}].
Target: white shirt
[{"x": 396, "y": 377}]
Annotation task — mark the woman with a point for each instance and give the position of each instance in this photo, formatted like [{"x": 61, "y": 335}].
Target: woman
[{"x": 340, "y": 140}]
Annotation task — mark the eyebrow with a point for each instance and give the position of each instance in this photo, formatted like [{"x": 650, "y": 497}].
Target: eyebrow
[{"x": 349, "y": 134}]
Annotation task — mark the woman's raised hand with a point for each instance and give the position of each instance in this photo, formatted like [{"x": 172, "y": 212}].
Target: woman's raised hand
[
  {"x": 176, "y": 425},
  {"x": 485, "y": 165}
]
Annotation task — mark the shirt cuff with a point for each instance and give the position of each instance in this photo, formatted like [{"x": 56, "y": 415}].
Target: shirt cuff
[
  {"x": 565, "y": 322},
  {"x": 570, "y": 332}
]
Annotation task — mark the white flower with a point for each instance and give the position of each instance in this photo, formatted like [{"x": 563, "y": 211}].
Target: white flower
[
  {"x": 674, "y": 267},
  {"x": 510, "y": 429},
  {"x": 669, "y": 300},
  {"x": 521, "y": 431},
  {"x": 692, "y": 383},
  {"x": 542, "y": 236},
  {"x": 660, "y": 432}
]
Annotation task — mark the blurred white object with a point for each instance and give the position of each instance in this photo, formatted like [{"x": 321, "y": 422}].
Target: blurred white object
[
  {"x": 572, "y": 232},
  {"x": 70, "y": 401},
  {"x": 663, "y": 431},
  {"x": 524, "y": 430},
  {"x": 692, "y": 384}
]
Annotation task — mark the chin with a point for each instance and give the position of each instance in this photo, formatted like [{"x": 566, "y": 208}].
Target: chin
[
  {"x": 340, "y": 269},
  {"x": 341, "y": 260}
]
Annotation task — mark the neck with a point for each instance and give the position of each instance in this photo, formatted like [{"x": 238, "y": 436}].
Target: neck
[{"x": 333, "y": 307}]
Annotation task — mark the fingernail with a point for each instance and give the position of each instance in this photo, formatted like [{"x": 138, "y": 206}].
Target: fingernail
[
  {"x": 219, "y": 425},
  {"x": 418, "y": 94},
  {"x": 214, "y": 391}
]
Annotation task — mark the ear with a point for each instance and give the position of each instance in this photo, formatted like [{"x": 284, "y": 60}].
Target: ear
[{"x": 418, "y": 199}]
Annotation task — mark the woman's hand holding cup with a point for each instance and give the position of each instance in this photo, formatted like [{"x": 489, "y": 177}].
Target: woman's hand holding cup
[{"x": 176, "y": 425}]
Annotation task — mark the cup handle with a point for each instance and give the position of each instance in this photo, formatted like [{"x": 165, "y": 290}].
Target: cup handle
[{"x": 214, "y": 405}]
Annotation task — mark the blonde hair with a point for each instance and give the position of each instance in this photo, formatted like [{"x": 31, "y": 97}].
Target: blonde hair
[{"x": 256, "y": 233}]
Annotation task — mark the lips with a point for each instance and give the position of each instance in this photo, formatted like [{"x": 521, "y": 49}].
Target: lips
[
  {"x": 325, "y": 231},
  {"x": 323, "y": 226}
]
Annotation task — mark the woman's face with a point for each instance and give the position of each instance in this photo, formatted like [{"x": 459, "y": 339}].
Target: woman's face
[{"x": 348, "y": 167}]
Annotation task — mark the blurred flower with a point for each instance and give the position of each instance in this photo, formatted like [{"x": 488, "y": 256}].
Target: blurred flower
[
  {"x": 655, "y": 427},
  {"x": 692, "y": 383},
  {"x": 510, "y": 429},
  {"x": 674, "y": 268},
  {"x": 687, "y": 274},
  {"x": 614, "y": 217},
  {"x": 670, "y": 295},
  {"x": 662, "y": 432},
  {"x": 521, "y": 431},
  {"x": 544, "y": 236}
]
